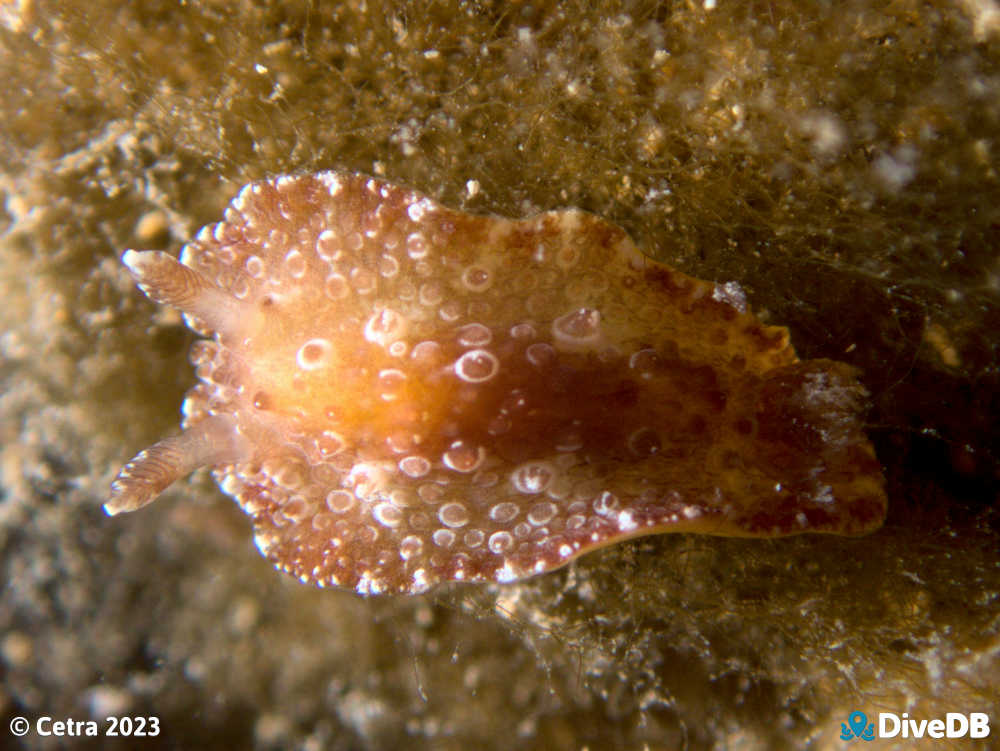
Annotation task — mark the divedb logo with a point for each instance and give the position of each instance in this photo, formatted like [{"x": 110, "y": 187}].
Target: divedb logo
[{"x": 890, "y": 725}]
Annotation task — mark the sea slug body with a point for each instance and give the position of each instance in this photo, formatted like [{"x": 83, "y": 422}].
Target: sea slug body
[{"x": 401, "y": 394}]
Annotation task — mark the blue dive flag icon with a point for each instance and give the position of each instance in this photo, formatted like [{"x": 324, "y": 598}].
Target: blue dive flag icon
[{"x": 859, "y": 728}]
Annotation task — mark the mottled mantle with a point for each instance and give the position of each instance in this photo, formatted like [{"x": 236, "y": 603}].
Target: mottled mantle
[{"x": 399, "y": 393}]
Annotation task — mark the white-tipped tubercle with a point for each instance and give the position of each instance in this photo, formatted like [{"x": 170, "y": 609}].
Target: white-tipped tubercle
[
  {"x": 212, "y": 441},
  {"x": 166, "y": 280}
]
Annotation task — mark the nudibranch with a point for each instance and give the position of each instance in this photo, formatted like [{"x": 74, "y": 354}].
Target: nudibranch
[{"x": 401, "y": 394}]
